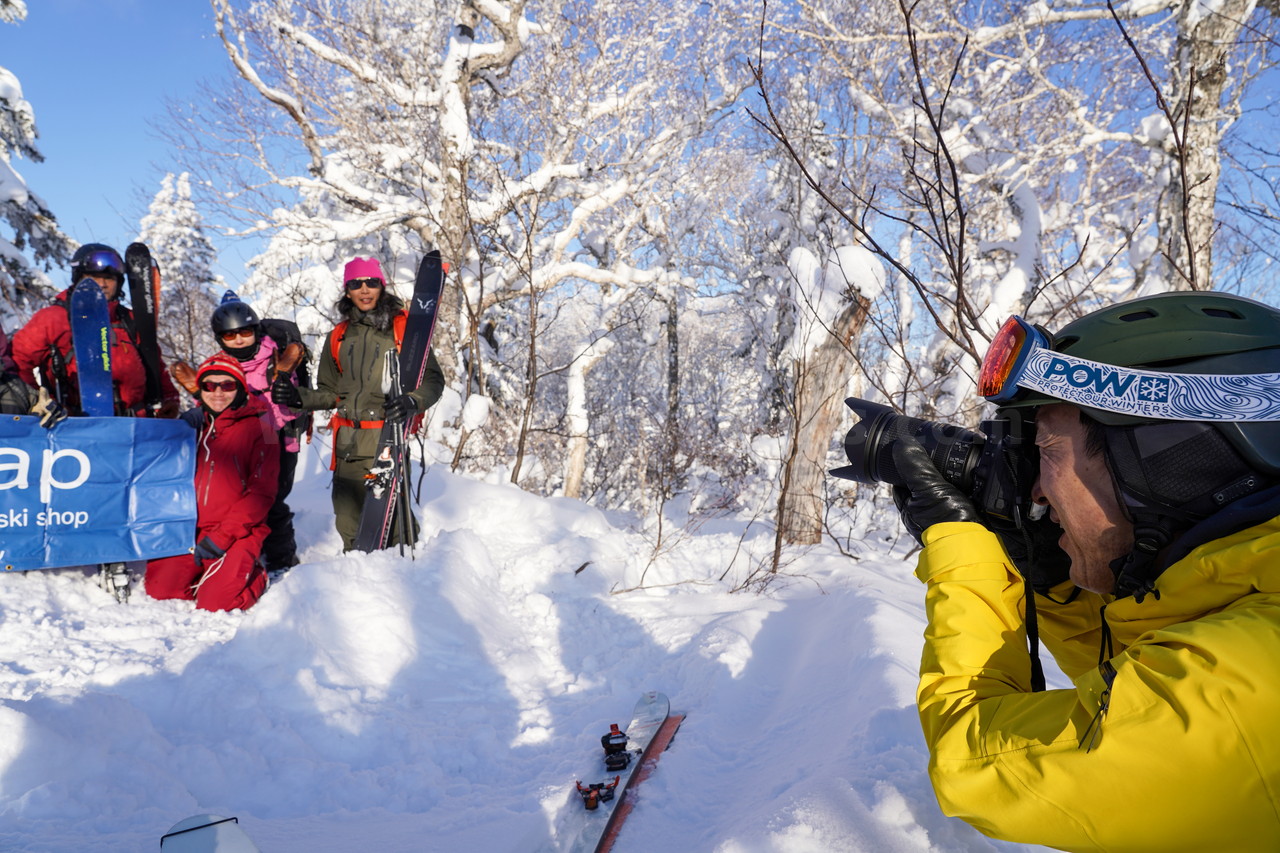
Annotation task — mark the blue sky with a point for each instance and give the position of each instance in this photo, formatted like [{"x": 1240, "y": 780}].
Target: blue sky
[{"x": 97, "y": 74}]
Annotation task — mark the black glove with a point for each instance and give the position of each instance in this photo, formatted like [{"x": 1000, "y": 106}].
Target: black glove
[
  {"x": 285, "y": 393},
  {"x": 206, "y": 551},
  {"x": 51, "y": 412},
  {"x": 400, "y": 409},
  {"x": 1034, "y": 550},
  {"x": 926, "y": 498}
]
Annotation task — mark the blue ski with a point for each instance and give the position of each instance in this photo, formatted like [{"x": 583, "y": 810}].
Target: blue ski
[{"x": 91, "y": 339}]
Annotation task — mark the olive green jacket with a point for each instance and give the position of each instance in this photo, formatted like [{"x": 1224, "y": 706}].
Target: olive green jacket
[{"x": 354, "y": 391}]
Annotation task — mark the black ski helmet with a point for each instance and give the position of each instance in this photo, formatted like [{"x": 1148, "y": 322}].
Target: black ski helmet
[
  {"x": 1172, "y": 474},
  {"x": 231, "y": 316},
  {"x": 96, "y": 259}
]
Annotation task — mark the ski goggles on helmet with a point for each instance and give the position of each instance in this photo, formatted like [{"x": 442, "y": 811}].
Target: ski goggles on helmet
[
  {"x": 1021, "y": 356},
  {"x": 100, "y": 262}
]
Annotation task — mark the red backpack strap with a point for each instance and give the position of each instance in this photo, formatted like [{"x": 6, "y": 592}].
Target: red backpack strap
[{"x": 335, "y": 343}]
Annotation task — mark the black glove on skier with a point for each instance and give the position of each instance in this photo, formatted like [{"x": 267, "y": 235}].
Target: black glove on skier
[
  {"x": 285, "y": 393},
  {"x": 926, "y": 498},
  {"x": 206, "y": 551},
  {"x": 400, "y": 409}
]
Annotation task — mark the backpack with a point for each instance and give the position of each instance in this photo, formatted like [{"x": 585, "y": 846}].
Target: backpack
[
  {"x": 285, "y": 332},
  {"x": 398, "y": 323}
]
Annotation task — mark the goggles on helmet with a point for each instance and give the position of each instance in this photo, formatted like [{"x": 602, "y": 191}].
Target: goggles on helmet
[
  {"x": 1022, "y": 356},
  {"x": 100, "y": 262}
]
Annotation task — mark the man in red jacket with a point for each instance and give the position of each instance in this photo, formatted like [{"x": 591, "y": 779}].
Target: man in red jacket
[
  {"x": 45, "y": 342},
  {"x": 237, "y": 466}
]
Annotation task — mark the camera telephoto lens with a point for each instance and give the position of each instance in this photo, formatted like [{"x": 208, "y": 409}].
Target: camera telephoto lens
[{"x": 868, "y": 444}]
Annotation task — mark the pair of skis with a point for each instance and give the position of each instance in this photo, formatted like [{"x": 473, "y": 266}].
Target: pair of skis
[
  {"x": 92, "y": 336},
  {"x": 387, "y": 500},
  {"x": 92, "y": 339}
]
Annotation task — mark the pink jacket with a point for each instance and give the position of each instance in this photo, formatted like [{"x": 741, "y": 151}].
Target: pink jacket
[{"x": 258, "y": 372}]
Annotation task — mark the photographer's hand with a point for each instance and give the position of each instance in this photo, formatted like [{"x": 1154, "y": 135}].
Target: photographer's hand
[{"x": 926, "y": 498}]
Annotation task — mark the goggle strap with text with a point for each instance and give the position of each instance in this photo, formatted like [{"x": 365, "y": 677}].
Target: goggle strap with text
[{"x": 1150, "y": 393}]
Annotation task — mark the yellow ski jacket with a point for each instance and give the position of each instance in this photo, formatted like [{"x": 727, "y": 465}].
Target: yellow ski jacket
[{"x": 1173, "y": 744}]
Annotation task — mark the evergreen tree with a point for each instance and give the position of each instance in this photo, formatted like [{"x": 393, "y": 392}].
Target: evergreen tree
[
  {"x": 174, "y": 231},
  {"x": 32, "y": 237}
]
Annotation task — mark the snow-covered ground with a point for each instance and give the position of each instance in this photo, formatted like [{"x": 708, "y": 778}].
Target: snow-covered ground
[{"x": 448, "y": 703}]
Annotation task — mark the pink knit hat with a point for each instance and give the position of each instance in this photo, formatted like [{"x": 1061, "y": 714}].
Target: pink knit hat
[{"x": 363, "y": 268}]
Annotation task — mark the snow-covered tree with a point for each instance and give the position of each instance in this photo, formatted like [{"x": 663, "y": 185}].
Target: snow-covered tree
[
  {"x": 32, "y": 241},
  {"x": 1008, "y": 176},
  {"x": 174, "y": 231},
  {"x": 567, "y": 155}
]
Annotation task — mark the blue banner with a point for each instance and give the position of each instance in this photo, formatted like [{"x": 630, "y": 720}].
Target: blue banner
[{"x": 95, "y": 490}]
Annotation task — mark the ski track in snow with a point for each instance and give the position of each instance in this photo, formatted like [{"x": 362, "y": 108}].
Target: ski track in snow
[{"x": 448, "y": 702}]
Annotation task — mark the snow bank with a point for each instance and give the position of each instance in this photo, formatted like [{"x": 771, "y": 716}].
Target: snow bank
[{"x": 448, "y": 702}]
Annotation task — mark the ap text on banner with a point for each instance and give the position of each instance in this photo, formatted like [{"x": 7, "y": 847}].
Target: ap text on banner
[{"x": 94, "y": 490}]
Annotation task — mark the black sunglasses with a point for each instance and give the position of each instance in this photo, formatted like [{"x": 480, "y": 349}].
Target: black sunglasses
[{"x": 357, "y": 283}]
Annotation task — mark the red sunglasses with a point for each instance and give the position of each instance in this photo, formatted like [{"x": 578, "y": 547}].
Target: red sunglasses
[{"x": 224, "y": 385}]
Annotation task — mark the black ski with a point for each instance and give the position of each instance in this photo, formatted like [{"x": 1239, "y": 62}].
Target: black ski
[
  {"x": 143, "y": 275},
  {"x": 386, "y": 479}
]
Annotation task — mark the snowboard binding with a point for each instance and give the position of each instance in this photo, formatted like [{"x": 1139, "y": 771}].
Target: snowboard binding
[
  {"x": 616, "y": 756},
  {"x": 114, "y": 578},
  {"x": 597, "y": 792}
]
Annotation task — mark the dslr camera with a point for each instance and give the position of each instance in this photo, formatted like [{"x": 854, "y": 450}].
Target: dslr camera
[{"x": 994, "y": 467}]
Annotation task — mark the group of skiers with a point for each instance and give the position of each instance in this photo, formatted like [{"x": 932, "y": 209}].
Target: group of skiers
[{"x": 250, "y": 408}]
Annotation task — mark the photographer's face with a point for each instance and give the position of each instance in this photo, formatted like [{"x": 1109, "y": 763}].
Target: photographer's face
[{"x": 1077, "y": 488}]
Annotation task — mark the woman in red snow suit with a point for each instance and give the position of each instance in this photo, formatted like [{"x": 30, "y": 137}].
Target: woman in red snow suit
[{"x": 237, "y": 466}]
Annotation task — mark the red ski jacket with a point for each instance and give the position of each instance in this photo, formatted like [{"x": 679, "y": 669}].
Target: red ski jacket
[
  {"x": 237, "y": 467},
  {"x": 51, "y": 326}
]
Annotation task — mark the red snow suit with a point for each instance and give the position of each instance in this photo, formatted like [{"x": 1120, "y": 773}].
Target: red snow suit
[
  {"x": 237, "y": 466},
  {"x": 52, "y": 326}
]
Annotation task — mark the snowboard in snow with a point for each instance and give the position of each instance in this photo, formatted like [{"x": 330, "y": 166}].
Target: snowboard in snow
[
  {"x": 143, "y": 276},
  {"x": 91, "y": 338},
  {"x": 385, "y": 480},
  {"x": 207, "y": 833},
  {"x": 579, "y": 829}
]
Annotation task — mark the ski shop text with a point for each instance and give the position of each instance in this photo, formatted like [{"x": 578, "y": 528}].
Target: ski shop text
[{"x": 59, "y": 469}]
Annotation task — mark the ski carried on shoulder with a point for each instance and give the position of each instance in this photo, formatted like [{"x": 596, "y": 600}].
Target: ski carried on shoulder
[
  {"x": 594, "y": 818},
  {"x": 91, "y": 340},
  {"x": 143, "y": 275},
  {"x": 386, "y": 480},
  {"x": 91, "y": 336}
]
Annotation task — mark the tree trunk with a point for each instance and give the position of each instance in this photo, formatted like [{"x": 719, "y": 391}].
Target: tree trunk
[
  {"x": 575, "y": 464},
  {"x": 1202, "y": 79},
  {"x": 819, "y": 407}
]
